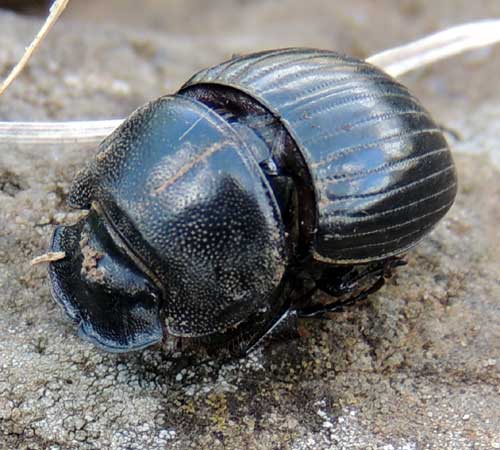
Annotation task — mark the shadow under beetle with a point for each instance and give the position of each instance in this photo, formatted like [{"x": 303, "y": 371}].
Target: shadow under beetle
[{"x": 217, "y": 212}]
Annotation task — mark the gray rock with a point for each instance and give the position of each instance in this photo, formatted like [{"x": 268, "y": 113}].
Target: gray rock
[{"x": 416, "y": 366}]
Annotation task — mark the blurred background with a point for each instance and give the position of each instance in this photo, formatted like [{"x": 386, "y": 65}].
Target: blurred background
[
  {"x": 357, "y": 25},
  {"x": 177, "y": 37}
]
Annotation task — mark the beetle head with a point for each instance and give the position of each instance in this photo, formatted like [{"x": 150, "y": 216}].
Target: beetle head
[{"x": 102, "y": 289}]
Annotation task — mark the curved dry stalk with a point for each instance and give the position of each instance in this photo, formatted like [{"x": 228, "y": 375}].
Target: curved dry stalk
[
  {"x": 396, "y": 62},
  {"x": 80, "y": 132},
  {"x": 48, "y": 257},
  {"x": 55, "y": 11},
  {"x": 399, "y": 60}
]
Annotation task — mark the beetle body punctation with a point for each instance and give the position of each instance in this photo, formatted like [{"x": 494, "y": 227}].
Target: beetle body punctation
[{"x": 219, "y": 210}]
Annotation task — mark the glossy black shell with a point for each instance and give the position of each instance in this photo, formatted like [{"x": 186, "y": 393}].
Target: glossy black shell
[
  {"x": 381, "y": 169},
  {"x": 214, "y": 211}
]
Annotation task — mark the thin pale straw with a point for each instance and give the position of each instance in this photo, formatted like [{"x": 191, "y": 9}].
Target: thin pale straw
[
  {"x": 441, "y": 45},
  {"x": 55, "y": 11},
  {"x": 395, "y": 61},
  {"x": 78, "y": 132}
]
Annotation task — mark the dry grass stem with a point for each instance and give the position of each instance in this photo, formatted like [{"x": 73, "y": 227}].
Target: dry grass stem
[
  {"x": 438, "y": 46},
  {"x": 48, "y": 257},
  {"x": 396, "y": 62},
  {"x": 55, "y": 11}
]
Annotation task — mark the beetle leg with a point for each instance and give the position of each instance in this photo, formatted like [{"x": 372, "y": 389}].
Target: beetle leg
[
  {"x": 284, "y": 320},
  {"x": 320, "y": 309},
  {"x": 337, "y": 285},
  {"x": 268, "y": 329},
  {"x": 349, "y": 283}
]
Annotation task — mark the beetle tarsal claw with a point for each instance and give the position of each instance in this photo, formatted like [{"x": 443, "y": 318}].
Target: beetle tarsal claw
[{"x": 48, "y": 258}]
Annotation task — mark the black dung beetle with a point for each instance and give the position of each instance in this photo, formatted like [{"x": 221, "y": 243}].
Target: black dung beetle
[{"x": 218, "y": 211}]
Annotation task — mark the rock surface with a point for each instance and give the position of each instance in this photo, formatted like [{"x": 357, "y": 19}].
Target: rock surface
[{"x": 414, "y": 367}]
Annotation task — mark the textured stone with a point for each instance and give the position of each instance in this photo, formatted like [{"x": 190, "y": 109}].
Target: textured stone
[{"x": 416, "y": 366}]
